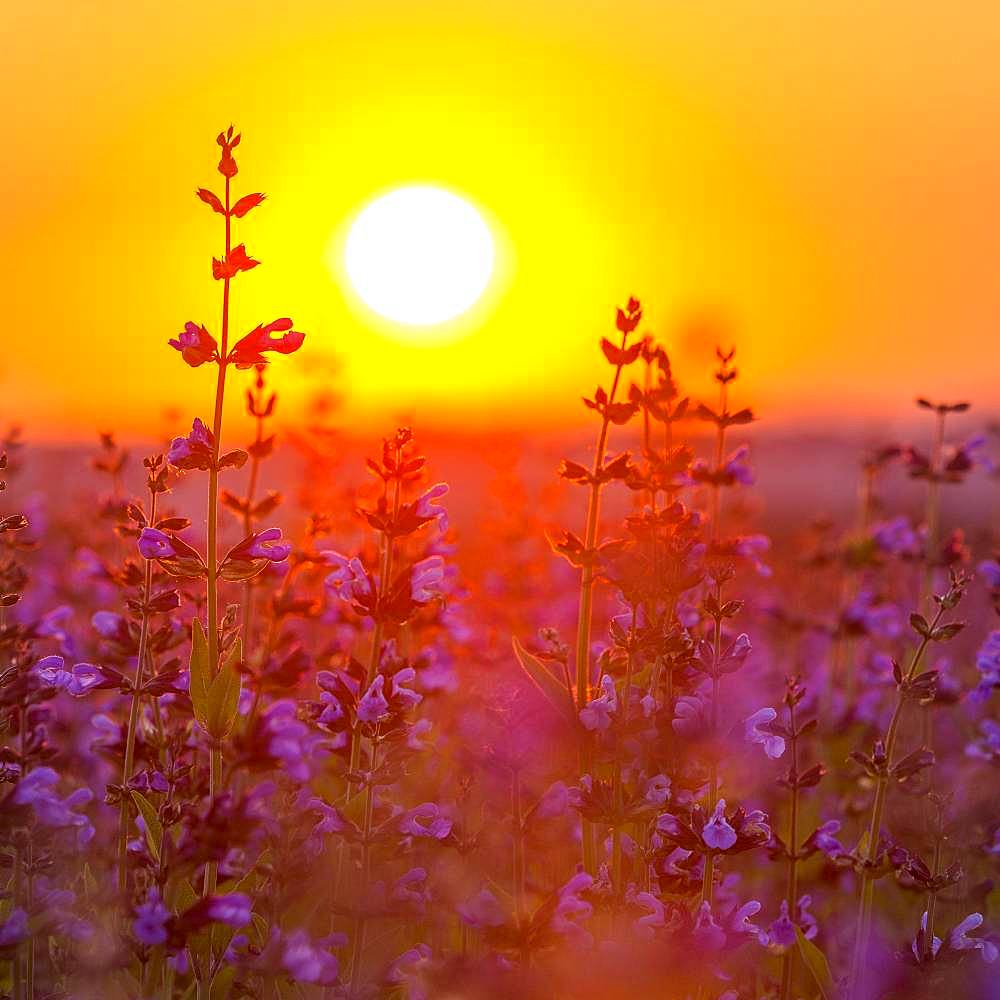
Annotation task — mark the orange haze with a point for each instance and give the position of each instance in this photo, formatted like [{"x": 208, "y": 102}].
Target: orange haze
[{"x": 826, "y": 177}]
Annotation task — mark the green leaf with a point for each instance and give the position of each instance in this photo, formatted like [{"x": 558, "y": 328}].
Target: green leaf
[
  {"x": 815, "y": 961},
  {"x": 222, "y": 702},
  {"x": 151, "y": 819},
  {"x": 200, "y": 673},
  {"x": 554, "y": 690}
]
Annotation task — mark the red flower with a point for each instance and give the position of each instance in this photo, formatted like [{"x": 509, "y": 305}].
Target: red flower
[
  {"x": 627, "y": 319},
  {"x": 236, "y": 261},
  {"x": 228, "y": 142},
  {"x": 250, "y": 350}
]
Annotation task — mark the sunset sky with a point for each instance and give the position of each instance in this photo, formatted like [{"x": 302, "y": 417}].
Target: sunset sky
[{"x": 824, "y": 179}]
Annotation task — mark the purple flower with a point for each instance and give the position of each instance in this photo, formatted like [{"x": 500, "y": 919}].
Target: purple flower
[
  {"x": 37, "y": 790},
  {"x": 869, "y": 616},
  {"x": 897, "y": 538},
  {"x": 959, "y": 940},
  {"x": 196, "y": 345},
  {"x": 265, "y": 545},
  {"x": 373, "y": 706},
  {"x": 290, "y": 740},
  {"x": 989, "y": 569},
  {"x": 425, "y": 577},
  {"x": 707, "y": 933},
  {"x": 691, "y": 716},
  {"x": 426, "y": 820},
  {"x": 155, "y": 544},
  {"x": 988, "y": 746},
  {"x": 193, "y": 451},
  {"x": 77, "y": 681},
  {"x": 14, "y": 929},
  {"x": 150, "y": 924},
  {"x": 654, "y": 919},
  {"x": 427, "y": 509},
  {"x": 658, "y": 789},
  {"x": 398, "y": 690},
  {"x": 331, "y": 819},
  {"x": 717, "y": 833},
  {"x": 751, "y": 548},
  {"x": 596, "y": 714},
  {"x": 482, "y": 910},
  {"x": 250, "y": 556},
  {"x": 824, "y": 839},
  {"x": 988, "y": 665},
  {"x": 774, "y": 746},
  {"x": 404, "y": 967},
  {"x": 348, "y": 579},
  {"x": 780, "y": 935},
  {"x": 554, "y": 802},
  {"x": 411, "y": 889},
  {"x": 570, "y": 909},
  {"x": 232, "y": 909},
  {"x": 305, "y": 962},
  {"x": 108, "y": 625}
]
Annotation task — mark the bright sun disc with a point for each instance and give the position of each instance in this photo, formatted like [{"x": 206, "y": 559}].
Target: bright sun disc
[{"x": 419, "y": 255}]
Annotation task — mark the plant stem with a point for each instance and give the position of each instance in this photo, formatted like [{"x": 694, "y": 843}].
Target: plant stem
[
  {"x": 588, "y": 832},
  {"x": 215, "y": 767},
  {"x": 133, "y": 717},
  {"x": 863, "y": 927},
  {"x": 358, "y": 944},
  {"x": 933, "y": 514},
  {"x": 617, "y": 872},
  {"x": 788, "y": 959},
  {"x": 708, "y": 879},
  {"x": 385, "y": 571}
]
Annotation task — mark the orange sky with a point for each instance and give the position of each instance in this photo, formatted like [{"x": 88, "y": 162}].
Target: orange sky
[{"x": 827, "y": 176}]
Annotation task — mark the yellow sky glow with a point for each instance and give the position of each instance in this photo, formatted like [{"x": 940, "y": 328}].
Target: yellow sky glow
[{"x": 827, "y": 180}]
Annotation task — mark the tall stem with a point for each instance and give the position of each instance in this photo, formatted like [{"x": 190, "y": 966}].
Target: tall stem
[
  {"x": 933, "y": 513},
  {"x": 863, "y": 927},
  {"x": 358, "y": 944},
  {"x": 385, "y": 571},
  {"x": 708, "y": 877},
  {"x": 788, "y": 959},
  {"x": 133, "y": 716},
  {"x": 583, "y": 624},
  {"x": 617, "y": 868},
  {"x": 215, "y": 767}
]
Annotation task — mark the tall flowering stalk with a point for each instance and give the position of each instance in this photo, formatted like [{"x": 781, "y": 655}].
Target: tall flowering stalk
[
  {"x": 215, "y": 685},
  {"x": 884, "y": 768},
  {"x": 724, "y": 472},
  {"x": 584, "y": 554},
  {"x": 149, "y": 604}
]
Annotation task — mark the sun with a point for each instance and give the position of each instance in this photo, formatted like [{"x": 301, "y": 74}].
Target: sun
[{"x": 419, "y": 255}]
